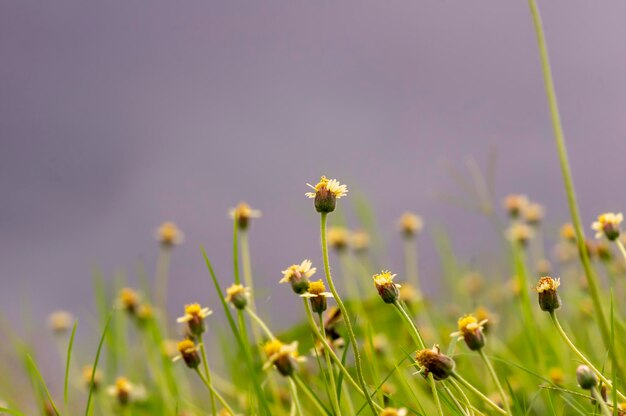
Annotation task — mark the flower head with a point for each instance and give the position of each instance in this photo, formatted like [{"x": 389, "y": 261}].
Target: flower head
[
  {"x": 144, "y": 313},
  {"x": 194, "y": 318},
  {"x": 360, "y": 241},
  {"x": 586, "y": 378},
  {"x": 515, "y": 204},
  {"x": 282, "y": 356},
  {"x": 608, "y": 224},
  {"x": 519, "y": 233},
  {"x": 87, "y": 374},
  {"x": 298, "y": 276},
  {"x": 433, "y": 361},
  {"x": 243, "y": 213},
  {"x": 568, "y": 233},
  {"x": 169, "y": 235},
  {"x": 533, "y": 214},
  {"x": 238, "y": 296},
  {"x": 549, "y": 299},
  {"x": 410, "y": 224},
  {"x": 471, "y": 331},
  {"x": 128, "y": 300},
  {"x": 125, "y": 391},
  {"x": 387, "y": 289},
  {"x": 338, "y": 238},
  {"x": 188, "y": 351},
  {"x": 327, "y": 191},
  {"x": 556, "y": 376},
  {"x": 60, "y": 321},
  {"x": 317, "y": 294}
]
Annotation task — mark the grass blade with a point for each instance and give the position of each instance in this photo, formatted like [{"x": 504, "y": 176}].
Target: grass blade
[
  {"x": 67, "y": 363},
  {"x": 43, "y": 383},
  {"x": 95, "y": 363}
]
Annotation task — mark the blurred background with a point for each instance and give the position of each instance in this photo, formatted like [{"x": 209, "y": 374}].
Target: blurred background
[{"x": 117, "y": 116}]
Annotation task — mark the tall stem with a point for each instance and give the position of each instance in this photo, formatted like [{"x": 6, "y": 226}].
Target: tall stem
[
  {"x": 596, "y": 395},
  {"x": 580, "y": 355},
  {"x": 344, "y": 312},
  {"x": 494, "y": 376},
  {"x": 207, "y": 374},
  {"x": 294, "y": 395},
  {"x": 260, "y": 322},
  {"x": 308, "y": 393},
  {"x": 212, "y": 390},
  {"x": 477, "y": 392},
  {"x": 410, "y": 262},
  {"x": 590, "y": 274},
  {"x": 620, "y": 245},
  {"x": 331, "y": 372},
  {"x": 162, "y": 273}
]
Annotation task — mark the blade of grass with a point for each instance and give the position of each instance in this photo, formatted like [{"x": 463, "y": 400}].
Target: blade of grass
[
  {"x": 95, "y": 363},
  {"x": 67, "y": 363},
  {"x": 11, "y": 411},
  {"x": 43, "y": 383}
]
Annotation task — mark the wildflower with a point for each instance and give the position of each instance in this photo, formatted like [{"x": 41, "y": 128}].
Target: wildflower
[
  {"x": 533, "y": 214},
  {"x": 387, "y": 289},
  {"x": 128, "y": 300},
  {"x": 144, "y": 313},
  {"x": 169, "y": 235},
  {"x": 603, "y": 250},
  {"x": 317, "y": 295},
  {"x": 333, "y": 317},
  {"x": 243, "y": 213},
  {"x": 471, "y": 331},
  {"x": 360, "y": 241},
  {"x": 410, "y": 224},
  {"x": 238, "y": 296},
  {"x": 519, "y": 233},
  {"x": 338, "y": 238},
  {"x": 515, "y": 204},
  {"x": 568, "y": 233},
  {"x": 432, "y": 361},
  {"x": 608, "y": 225},
  {"x": 409, "y": 294},
  {"x": 87, "y": 373},
  {"x": 586, "y": 378},
  {"x": 282, "y": 356},
  {"x": 549, "y": 299},
  {"x": 60, "y": 321},
  {"x": 392, "y": 411},
  {"x": 194, "y": 318},
  {"x": 483, "y": 315},
  {"x": 188, "y": 351},
  {"x": 556, "y": 375},
  {"x": 298, "y": 275},
  {"x": 125, "y": 392},
  {"x": 327, "y": 191}
]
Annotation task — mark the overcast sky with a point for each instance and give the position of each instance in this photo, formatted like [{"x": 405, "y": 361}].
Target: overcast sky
[{"x": 118, "y": 115}]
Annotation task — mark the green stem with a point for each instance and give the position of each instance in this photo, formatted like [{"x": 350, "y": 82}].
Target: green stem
[
  {"x": 580, "y": 355},
  {"x": 213, "y": 391},
  {"x": 294, "y": 394},
  {"x": 417, "y": 337},
  {"x": 162, "y": 273},
  {"x": 331, "y": 372},
  {"x": 592, "y": 279},
  {"x": 620, "y": 245},
  {"x": 455, "y": 401},
  {"x": 260, "y": 322},
  {"x": 306, "y": 391},
  {"x": 477, "y": 392},
  {"x": 596, "y": 395},
  {"x": 410, "y": 263},
  {"x": 527, "y": 312},
  {"x": 344, "y": 313},
  {"x": 494, "y": 376},
  {"x": 207, "y": 374}
]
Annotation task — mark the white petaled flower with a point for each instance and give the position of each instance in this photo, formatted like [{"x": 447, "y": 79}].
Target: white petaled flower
[
  {"x": 331, "y": 185},
  {"x": 302, "y": 270},
  {"x": 608, "y": 224},
  {"x": 168, "y": 234},
  {"x": 192, "y": 311}
]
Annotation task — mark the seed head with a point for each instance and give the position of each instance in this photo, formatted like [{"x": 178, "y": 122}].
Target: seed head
[
  {"x": 298, "y": 276},
  {"x": 169, "y": 235},
  {"x": 549, "y": 299},
  {"x": 387, "y": 289},
  {"x": 433, "y": 361},
  {"x": 608, "y": 224},
  {"x": 327, "y": 191},
  {"x": 242, "y": 214}
]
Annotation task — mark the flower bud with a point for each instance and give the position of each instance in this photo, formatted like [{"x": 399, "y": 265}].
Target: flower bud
[
  {"x": 549, "y": 299},
  {"x": 608, "y": 224},
  {"x": 471, "y": 331},
  {"x": 432, "y": 361},
  {"x": 298, "y": 276},
  {"x": 387, "y": 289},
  {"x": 586, "y": 378},
  {"x": 317, "y": 296},
  {"x": 238, "y": 296},
  {"x": 327, "y": 191},
  {"x": 242, "y": 214},
  {"x": 410, "y": 224},
  {"x": 189, "y": 353}
]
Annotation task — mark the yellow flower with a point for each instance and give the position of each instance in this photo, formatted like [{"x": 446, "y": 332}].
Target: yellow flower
[
  {"x": 549, "y": 299},
  {"x": 194, "y": 318},
  {"x": 298, "y": 275},
  {"x": 327, "y": 191},
  {"x": 238, "y": 296},
  {"x": 568, "y": 232},
  {"x": 471, "y": 331},
  {"x": 283, "y": 356},
  {"x": 608, "y": 225},
  {"x": 392, "y": 411},
  {"x": 410, "y": 224},
  {"x": 243, "y": 213},
  {"x": 128, "y": 300},
  {"x": 169, "y": 235},
  {"x": 519, "y": 233},
  {"x": 360, "y": 241},
  {"x": 317, "y": 294},
  {"x": 534, "y": 213},
  {"x": 547, "y": 283},
  {"x": 515, "y": 204},
  {"x": 60, "y": 321},
  {"x": 556, "y": 375},
  {"x": 387, "y": 289},
  {"x": 188, "y": 351},
  {"x": 338, "y": 238},
  {"x": 87, "y": 372},
  {"x": 125, "y": 391}
]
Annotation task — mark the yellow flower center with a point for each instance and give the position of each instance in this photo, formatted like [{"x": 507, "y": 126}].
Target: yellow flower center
[
  {"x": 547, "y": 283},
  {"x": 315, "y": 288},
  {"x": 122, "y": 384},
  {"x": 128, "y": 297},
  {"x": 272, "y": 347},
  {"x": 384, "y": 278},
  {"x": 468, "y": 323},
  {"x": 193, "y": 309},
  {"x": 185, "y": 346}
]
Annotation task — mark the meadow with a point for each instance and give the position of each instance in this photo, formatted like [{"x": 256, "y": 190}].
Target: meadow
[{"x": 369, "y": 341}]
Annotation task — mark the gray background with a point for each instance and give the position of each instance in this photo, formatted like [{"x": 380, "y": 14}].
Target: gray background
[{"x": 117, "y": 115}]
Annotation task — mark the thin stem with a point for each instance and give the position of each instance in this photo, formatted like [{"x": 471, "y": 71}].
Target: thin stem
[
  {"x": 620, "y": 245},
  {"x": 334, "y": 357},
  {"x": 260, "y": 322},
  {"x": 207, "y": 374},
  {"x": 331, "y": 372},
  {"x": 596, "y": 395},
  {"x": 592, "y": 279},
  {"x": 410, "y": 262},
  {"x": 494, "y": 376},
  {"x": 344, "y": 312},
  {"x": 417, "y": 337},
  {"x": 456, "y": 402},
  {"x": 162, "y": 273},
  {"x": 306, "y": 391},
  {"x": 294, "y": 395},
  {"x": 217, "y": 395},
  {"x": 580, "y": 355},
  {"x": 527, "y": 312},
  {"x": 477, "y": 392}
]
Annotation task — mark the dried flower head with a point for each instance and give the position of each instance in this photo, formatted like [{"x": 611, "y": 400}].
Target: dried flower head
[
  {"x": 169, "y": 235},
  {"x": 243, "y": 213},
  {"x": 298, "y": 276},
  {"x": 338, "y": 238},
  {"x": 549, "y": 299},
  {"x": 608, "y": 224},
  {"x": 471, "y": 331},
  {"x": 586, "y": 378},
  {"x": 432, "y": 361},
  {"x": 519, "y": 233},
  {"x": 387, "y": 289},
  {"x": 515, "y": 205},
  {"x": 282, "y": 356},
  {"x": 317, "y": 294},
  {"x": 60, "y": 321},
  {"x": 327, "y": 191},
  {"x": 128, "y": 300},
  {"x": 238, "y": 296},
  {"x": 410, "y": 224},
  {"x": 533, "y": 214},
  {"x": 87, "y": 373},
  {"x": 194, "y": 318},
  {"x": 188, "y": 351},
  {"x": 360, "y": 241}
]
